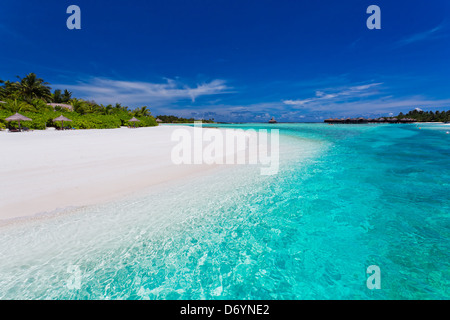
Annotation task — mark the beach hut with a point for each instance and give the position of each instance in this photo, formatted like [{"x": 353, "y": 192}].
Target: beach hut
[
  {"x": 159, "y": 120},
  {"x": 61, "y": 105},
  {"x": 134, "y": 120},
  {"x": 62, "y": 119},
  {"x": 18, "y": 117}
]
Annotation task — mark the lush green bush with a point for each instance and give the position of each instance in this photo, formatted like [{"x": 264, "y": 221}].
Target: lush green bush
[
  {"x": 30, "y": 97},
  {"x": 143, "y": 122},
  {"x": 43, "y": 119},
  {"x": 38, "y": 122}
]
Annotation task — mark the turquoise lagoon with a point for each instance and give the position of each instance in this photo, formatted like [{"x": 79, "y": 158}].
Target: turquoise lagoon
[{"x": 346, "y": 197}]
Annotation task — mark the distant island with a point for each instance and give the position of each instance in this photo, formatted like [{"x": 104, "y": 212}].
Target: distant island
[
  {"x": 412, "y": 116},
  {"x": 33, "y": 97},
  {"x": 175, "y": 119}
]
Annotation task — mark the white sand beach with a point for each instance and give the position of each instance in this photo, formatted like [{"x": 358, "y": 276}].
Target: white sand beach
[{"x": 44, "y": 171}]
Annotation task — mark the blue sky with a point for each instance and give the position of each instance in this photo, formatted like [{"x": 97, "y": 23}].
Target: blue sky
[{"x": 296, "y": 60}]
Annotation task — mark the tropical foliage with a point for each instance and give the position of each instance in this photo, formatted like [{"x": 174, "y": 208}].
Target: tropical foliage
[
  {"x": 426, "y": 116},
  {"x": 31, "y": 87},
  {"x": 30, "y": 96},
  {"x": 58, "y": 97}
]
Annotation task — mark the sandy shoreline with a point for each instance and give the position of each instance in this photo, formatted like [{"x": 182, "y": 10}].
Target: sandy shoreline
[{"x": 44, "y": 171}]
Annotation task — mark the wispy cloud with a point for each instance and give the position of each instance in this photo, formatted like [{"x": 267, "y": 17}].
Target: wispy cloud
[
  {"x": 360, "y": 100},
  {"x": 175, "y": 97},
  {"x": 380, "y": 105},
  {"x": 337, "y": 94},
  {"x": 432, "y": 34},
  {"x": 132, "y": 92},
  {"x": 372, "y": 107}
]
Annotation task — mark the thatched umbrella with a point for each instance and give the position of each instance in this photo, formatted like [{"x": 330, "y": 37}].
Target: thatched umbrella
[
  {"x": 134, "y": 120},
  {"x": 159, "y": 120},
  {"x": 18, "y": 117},
  {"x": 62, "y": 119}
]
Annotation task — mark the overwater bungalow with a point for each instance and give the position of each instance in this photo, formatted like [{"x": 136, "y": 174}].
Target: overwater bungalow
[
  {"x": 407, "y": 120},
  {"x": 362, "y": 120},
  {"x": 333, "y": 121},
  {"x": 272, "y": 120}
]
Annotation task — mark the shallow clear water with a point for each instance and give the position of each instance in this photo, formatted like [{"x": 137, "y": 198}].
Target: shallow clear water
[{"x": 346, "y": 197}]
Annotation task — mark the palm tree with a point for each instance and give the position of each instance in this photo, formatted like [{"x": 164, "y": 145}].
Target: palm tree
[
  {"x": 91, "y": 107},
  {"x": 66, "y": 96},
  {"x": 78, "y": 105},
  {"x": 32, "y": 87},
  {"x": 142, "y": 112},
  {"x": 108, "y": 110},
  {"x": 40, "y": 105},
  {"x": 56, "y": 96},
  {"x": 2, "y": 90},
  {"x": 8, "y": 90},
  {"x": 118, "y": 107},
  {"x": 18, "y": 106}
]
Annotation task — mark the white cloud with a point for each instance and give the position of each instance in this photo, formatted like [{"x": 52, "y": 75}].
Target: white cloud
[
  {"x": 132, "y": 92},
  {"x": 336, "y": 94},
  {"x": 372, "y": 107},
  {"x": 421, "y": 36},
  {"x": 297, "y": 102}
]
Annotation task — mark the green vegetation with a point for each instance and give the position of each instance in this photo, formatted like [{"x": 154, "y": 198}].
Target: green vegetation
[
  {"x": 426, "y": 116},
  {"x": 174, "y": 119},
  {"x": 30, "y": 97}
]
